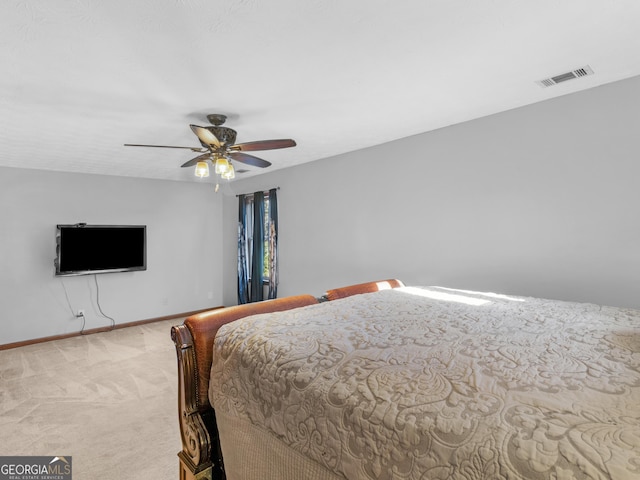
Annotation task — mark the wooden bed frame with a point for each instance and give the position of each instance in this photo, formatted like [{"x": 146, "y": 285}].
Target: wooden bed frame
[{"x": 201, "y": 457}]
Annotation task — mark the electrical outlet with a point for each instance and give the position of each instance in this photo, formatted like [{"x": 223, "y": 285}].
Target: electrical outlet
[{"x": 80, "y": 313}]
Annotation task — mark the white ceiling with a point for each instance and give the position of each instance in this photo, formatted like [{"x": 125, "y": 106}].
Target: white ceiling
[{"x": 80, "y": 78}]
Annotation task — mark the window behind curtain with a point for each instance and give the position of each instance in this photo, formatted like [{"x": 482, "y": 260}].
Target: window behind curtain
[{"x": 250, "y": 206}]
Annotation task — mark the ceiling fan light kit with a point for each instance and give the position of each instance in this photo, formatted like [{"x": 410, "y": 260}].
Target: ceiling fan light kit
[{"x": 219, "y": 148}]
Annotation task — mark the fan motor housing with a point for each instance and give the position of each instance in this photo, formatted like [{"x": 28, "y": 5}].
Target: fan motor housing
[{"x": 226, "y": 136}]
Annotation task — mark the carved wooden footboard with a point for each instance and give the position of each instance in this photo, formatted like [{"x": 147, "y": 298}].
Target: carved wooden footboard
[
  {"x": 200, "y": 457},
  {"x": 197, "y": 429},
  {"x": 367, "y": 287}
]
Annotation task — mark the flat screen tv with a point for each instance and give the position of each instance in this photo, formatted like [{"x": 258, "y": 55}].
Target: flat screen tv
[{"x": 83, "y": 249}]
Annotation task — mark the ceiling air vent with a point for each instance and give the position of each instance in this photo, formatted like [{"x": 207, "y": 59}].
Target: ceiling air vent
[{"x": 563, "y": 77}]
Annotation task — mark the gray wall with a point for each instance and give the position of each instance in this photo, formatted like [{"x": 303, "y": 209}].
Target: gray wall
[
  {"x": 542, "y": 200},
  {"x": 183, "y": 251}
]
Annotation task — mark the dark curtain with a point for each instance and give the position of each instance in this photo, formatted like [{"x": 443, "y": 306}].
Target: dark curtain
[
  {"x": 273, "y": 243},
  {"x": 257, "y": 255},
  {"x": 252, "y": 242},
  {"x": 243, "y": 260}
]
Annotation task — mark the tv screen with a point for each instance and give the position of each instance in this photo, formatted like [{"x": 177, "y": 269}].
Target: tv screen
[{"x": 87, "y": 249}]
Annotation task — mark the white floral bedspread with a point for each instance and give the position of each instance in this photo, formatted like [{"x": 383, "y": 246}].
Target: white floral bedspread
[{"x": 434, "y": 383}]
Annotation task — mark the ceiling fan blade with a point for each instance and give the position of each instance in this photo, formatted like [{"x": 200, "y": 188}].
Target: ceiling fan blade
[
  {"x": 264, "y": 145},
  {"x": 193, "y": 149},
  {"x": 199, "y": 158},
  {"x": 249, "y": 159},
  {"x": 205, "y": 135}
]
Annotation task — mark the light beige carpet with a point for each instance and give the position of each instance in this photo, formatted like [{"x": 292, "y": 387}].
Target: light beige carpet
[{"x": 108, "y": 400}]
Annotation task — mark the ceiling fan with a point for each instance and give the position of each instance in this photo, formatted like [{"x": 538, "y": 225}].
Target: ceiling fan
[{"x": 219, "y": 147}]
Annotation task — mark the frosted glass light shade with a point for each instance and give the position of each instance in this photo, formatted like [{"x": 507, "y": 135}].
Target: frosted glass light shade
[
  {"x": 202, "y": 169},
  {"x": 222, "y": 165},
  {"x": 229, "y": 174}
]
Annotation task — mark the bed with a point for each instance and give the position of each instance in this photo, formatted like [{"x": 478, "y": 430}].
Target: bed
[{"x": 421, "y": 383}]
